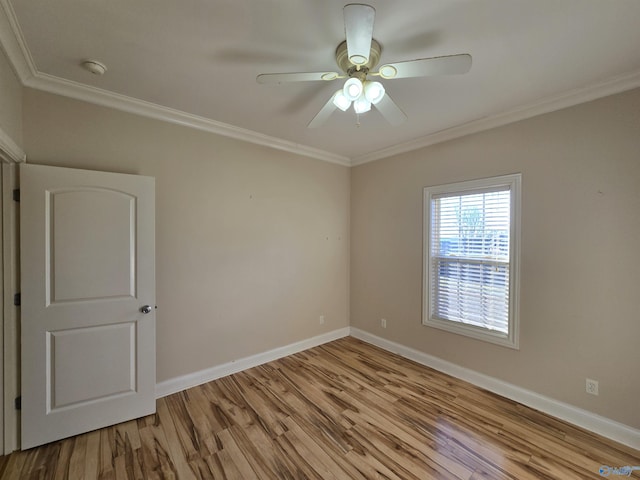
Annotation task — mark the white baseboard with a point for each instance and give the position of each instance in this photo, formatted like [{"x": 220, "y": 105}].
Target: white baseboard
[
  {"x": 183, "y": 382},
  {"x": 577, "y": 416}
]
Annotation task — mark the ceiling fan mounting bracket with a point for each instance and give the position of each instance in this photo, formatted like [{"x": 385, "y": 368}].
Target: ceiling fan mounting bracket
[{"x": 342, "y": 59}]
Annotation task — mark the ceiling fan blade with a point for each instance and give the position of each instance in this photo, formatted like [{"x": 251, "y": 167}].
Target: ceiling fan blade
[
  {"x": 323, "y": 115},
  {"x": 390, "y": 111},
  {"x": 296, "y": 77},
  {"x": 424, "y": 67},
  {"x": 358, "y": 28}
]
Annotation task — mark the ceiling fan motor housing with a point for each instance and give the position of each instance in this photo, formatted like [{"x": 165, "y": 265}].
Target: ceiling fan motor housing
[{"x": 342, "y": 59}]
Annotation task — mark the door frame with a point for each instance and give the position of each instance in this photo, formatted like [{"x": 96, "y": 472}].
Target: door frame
[{"x": 10, "y": 156}]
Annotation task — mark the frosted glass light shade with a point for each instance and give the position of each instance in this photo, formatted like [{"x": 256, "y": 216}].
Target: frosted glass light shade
[
  {"x": 340, "y": 101},
  {"x": 373, "y": 91},
  {"x": 362, "y": 105},
  {"x": 352, "y": 88}
]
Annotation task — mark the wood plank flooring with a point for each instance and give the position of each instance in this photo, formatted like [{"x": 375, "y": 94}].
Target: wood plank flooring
[{"x": 344, "y": 410}]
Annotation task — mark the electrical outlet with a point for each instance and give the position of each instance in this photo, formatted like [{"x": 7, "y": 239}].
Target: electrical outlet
[
  {"x": 321, "y": 319},
  {"x": 383, "y": 322},
  {"x": 592, "y": 387}
]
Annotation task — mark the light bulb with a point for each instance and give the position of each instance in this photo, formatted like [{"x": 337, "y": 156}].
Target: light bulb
[
  {"x": 362, "y": 105},
  {"x": 352, "y": 88},
  {"x": 373, "y": 91},
  {"x": 340, "y": 101}
]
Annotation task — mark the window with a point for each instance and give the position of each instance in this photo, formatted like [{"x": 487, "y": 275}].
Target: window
[{"x": 471, "y": 248}]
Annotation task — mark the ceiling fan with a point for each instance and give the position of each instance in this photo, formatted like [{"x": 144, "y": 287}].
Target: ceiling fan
[{"x": 357, "y": 57}]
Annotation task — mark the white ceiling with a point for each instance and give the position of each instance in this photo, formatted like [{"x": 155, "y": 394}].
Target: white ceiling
[{"x": 200, "y": 58}]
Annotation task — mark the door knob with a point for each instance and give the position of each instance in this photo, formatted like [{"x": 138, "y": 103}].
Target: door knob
[{"x": 146, "y": 309}]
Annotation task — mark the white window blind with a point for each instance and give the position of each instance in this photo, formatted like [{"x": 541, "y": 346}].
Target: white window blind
[
  {"x": 469, "y": 256},
  {"x": 470, "y": 252}
]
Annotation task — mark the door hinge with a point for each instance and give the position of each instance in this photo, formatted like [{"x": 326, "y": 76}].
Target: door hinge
[
  {"x": 18, "y": 403},
  {"x": 16, "y": 195},
  {"x": 17, "y": 299}
]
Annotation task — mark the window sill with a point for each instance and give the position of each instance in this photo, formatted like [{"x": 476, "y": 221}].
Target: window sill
[{"x": 478, "y": 333}]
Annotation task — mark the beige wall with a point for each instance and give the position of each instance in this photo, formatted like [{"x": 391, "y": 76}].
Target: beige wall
[
  {"x": 10, "y": 101},
  {"x": 580, "y": 275},
  {"x": 252, "y": 243}
]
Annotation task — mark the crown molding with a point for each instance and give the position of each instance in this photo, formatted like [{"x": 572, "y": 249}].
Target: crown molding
[
  {"x": 13, "y": 43},
  {"x": 78, "y": 91},
  {"x": 608, "y": 87},
  {"x": 98, "y": 96}
]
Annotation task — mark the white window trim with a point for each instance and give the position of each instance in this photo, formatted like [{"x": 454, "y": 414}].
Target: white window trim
[{"x": 511, "y": 339}]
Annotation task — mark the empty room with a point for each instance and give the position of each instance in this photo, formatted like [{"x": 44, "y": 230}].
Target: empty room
[{"x": 312, "y": 239}]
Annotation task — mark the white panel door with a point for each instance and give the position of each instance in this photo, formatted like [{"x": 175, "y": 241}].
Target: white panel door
[{"x": 87, "y": 274}]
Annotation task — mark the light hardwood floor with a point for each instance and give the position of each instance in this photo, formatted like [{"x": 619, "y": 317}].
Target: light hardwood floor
[{"x": 339, "y": 411}]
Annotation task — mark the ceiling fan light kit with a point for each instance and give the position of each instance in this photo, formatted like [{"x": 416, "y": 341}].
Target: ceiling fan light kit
[
  {"x": 373, "y": 91},
  {"x": 357, "y": 57},
  {"x": 361, "y": 105},
  {"x": 340, "y": 101},
  {"x": 353, "y": 88}
]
